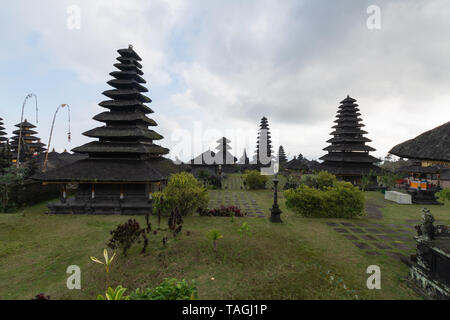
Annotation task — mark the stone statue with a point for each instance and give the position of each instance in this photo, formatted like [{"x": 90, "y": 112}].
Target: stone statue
[{"x": 426, "y": 229}]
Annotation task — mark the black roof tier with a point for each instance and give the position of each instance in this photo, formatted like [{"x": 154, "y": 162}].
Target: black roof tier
[
  {"x": 352, "y": 169},
  {"x": 121, "y": 148},
  {"x": 348, "y": 130},
  {"x": 126, "y": 94},
  {"x": 342, "y": 157},
  {"x": 127, "y": 75},
  {"x": 345, "y": 118},
  {"x": 123, "y": 132},
  {"x": 343, "y": 138},
  {"x": 348, "y": 124},
  {"x": 127, "y": 84},
  {"x": 122, "y": 105},
  {"x": 128, "y": 60},
  {"x": 111, "y": 170},
  {"x": 349, "y": 147},
  {"x": 129, "y": 53},
  {"x": 24, "y": 131},
  {"x": 25, "y": 124},
  {"x": 116, "y": 116},
  {"x": 129, "y": 67}
]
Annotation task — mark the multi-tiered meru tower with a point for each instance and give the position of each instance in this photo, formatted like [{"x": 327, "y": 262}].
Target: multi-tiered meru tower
[
  {"x": 125, "y": 165},
  {"x": 30, "y": 146},
  {"x": 348, "y": 155}
]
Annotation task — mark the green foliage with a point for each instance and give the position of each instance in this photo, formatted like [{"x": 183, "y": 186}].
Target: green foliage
[
  {"x": 366, "y": 180},
  {"x": 325, "y": 180},
  {"x": 255, "y": 180},
  {"x": 214, "y": 235},
  {"x": 11, "y": 181},
  {"x": 244, "y": 229},
  {"x": 443, "y": 195},
  {"x": 169, "y": 289},
  {"x": 184, "y": 192},
  {"x": 322, "y": 180},
  {"x": 114, "y": 294},
  {"x": 343, "y": 200},
  {"x": 388, "y": 179}
]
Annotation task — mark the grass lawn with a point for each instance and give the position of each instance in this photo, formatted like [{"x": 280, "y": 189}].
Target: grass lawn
[{"x": 293, "y": 260}]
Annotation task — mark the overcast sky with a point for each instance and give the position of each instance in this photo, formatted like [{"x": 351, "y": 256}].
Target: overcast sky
[{"x": 214, "y": 68}]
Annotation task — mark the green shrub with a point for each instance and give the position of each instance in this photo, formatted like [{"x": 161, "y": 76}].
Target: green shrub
[
  {"x": 169, "y": 289},
  {"x": 443, "y": 195},
  {"x": 343, "y": 200},
  {"x": 255, "y": 180},
  {"x": 184, "y": 192},
  {"x": 325, "y": 180}
]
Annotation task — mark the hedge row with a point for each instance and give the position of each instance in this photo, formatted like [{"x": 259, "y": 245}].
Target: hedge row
[{"x": 342, "y": 200}]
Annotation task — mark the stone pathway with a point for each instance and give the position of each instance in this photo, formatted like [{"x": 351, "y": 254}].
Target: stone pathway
[
  {"x": 242, "y": 199},
  {"x": 395, "y": 240},
  {"x": 373, "y": 211}
]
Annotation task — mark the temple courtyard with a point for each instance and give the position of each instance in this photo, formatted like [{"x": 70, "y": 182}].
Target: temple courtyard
[{"x": 302, "y": 258}]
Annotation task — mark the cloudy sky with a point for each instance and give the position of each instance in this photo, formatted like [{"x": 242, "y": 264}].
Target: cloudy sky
[{"x": 214, "y": 68}]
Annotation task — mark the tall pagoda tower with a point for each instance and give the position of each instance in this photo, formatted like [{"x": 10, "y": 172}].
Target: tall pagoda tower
[
  {"x": 263, "y": 156},
  {"x": 124, "y": 166},
  {"x": 30, "y": 146},
  {"x": 223, "y": 156},
  {"x": 348, "y": 155}
]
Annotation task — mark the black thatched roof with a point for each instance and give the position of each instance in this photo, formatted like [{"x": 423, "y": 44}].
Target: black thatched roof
[
  {"x": 298, "y": 163},
  {"x": 431, "y": 145},
  {"x": 124, "y": 151},
  {"x": 30, "y": 142},
  {"x": 111, "y": 170},
  {"x": 348, "y": 153},
  {"x": 126, "y": 133}
]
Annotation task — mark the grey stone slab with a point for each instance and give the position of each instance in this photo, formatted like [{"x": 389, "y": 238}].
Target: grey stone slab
[
  {"x": 341, "y": 230},
  {"x": 351, "y": 237},
  {"x": 356, "y": 230},
  {"x": 374, "y": 231},
  {"x": 385, "y": 238},
  {"x": 380, "y": 245},
  {"x": 332, "y": 224},
  {"x": 373, "y": 253},
  {"x": 347, "y": 224},
  {"x": 400, "y": 246},
  {"x": 362, "y": 245},
  {"x": 368, "y": 237}
]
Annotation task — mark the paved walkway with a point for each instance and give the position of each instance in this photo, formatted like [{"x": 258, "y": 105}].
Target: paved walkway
[
  {"x": 244, "y": 200},
  {"x": 395, "y": 240}
]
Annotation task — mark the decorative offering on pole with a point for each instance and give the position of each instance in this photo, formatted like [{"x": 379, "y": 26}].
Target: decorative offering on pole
[
  {"x": 30, "y": 95},
  {"x": 51, "y": 132}
]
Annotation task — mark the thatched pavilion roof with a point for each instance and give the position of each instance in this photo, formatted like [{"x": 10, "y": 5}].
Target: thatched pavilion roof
[{"x": 431, "y": 145}]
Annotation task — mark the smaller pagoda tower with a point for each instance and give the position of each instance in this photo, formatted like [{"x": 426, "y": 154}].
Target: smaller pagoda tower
[
  {"x": 263, "y": 155},
  {"x": 3, "y": 137},
  {"x": 282, "y": 159},
  {"x": 30, "y": 146},
  {"x": 348, "y": 155}
]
